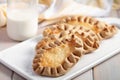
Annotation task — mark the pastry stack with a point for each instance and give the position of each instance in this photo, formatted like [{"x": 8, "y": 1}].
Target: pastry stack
[{"x": 66, "y": 41}]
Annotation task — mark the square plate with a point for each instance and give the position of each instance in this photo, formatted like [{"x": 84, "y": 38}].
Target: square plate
[{"x": 19, "y": 58}]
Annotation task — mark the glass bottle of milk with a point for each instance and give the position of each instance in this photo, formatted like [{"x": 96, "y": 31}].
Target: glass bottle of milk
[{"x": 22, "y": 19}]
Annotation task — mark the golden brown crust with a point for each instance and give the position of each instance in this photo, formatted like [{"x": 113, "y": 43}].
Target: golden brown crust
[
  {"x": 62, "y": 47},
  {"x": 103, "y": 30},
  {"x": 78, "y": 33},
  {"x": 54, "y": 60},
  {"x": 66, "y": 41}
]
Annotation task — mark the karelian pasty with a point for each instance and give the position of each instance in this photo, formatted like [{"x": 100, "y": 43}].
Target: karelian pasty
[
  {"x": 66, "y": 41},
  {"x": 54, "y": 58},
  {"x": 103, "y": 30},
  {"x": 62, "y": 48},
  {"x": 81, "y": 34}
]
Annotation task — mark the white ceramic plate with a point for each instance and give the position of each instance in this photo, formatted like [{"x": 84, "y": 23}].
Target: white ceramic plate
[{"x": 19, "y": 58}]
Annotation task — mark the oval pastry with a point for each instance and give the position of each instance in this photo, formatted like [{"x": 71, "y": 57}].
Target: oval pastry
[
  {"x": 62, "y": 47},
  {"x": 66, "y": 41},
  {"x": 80, "y": 34},
  {"x": 55, "y": 59},
  {"x": 103, "y": 30}
]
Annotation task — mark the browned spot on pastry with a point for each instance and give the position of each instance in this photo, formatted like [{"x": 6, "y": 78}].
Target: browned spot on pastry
[
  {"x": 72, "y": 36},
  {"x": 82, "y": 34},
  {"x": 37, "y": 56},
  {"x": 40, "y": 51},
  {"x": 85, "y": 19},
  {"x": 105, "y": 29},
  {"x": 66, "y": 27},
  {"x": 58, "y": 27},
  {"x": 68, "y": 19},
  {"x": 78, "y": 45},
  {"x": 36, "y": 60},
  {"x": 95, "y": 45},
  {"x": 81, "y": 27},
  {"x": 96, "y": 23},
  {"x": 87, "y": 30},
  {"x": 74, "y": 27},
  {"x": 90, "y": 38},
  {"x": 90, "y": 20},
  {"x": 88, "y": 42},
  {"x": 61, "y": 34},
  {"x": 46, "y": 71},
  {"x": 79, "y": 19},
  {"x": 77, "y": 53},
  {"x": 60, "y": 70},
  {"x": 35, "y": 66},
  {"x": 57, "y": 42},
  {"x": 73, "y": 18},
  {"x": 40, "y": 44},
  {"x": 112, "y": 28},
  {"x": 52, "y": 37},
  {"x": 102, "y": 34},
  {"x": 71, "y": 58},
  {"x": 64, "y": 41},
  {"x": 64, "y": 20},
  {"x": 92, "y": 34},
  {"x": 85, "y": 47},
  {"x": 45, "y": 47},
  {"x": 51, "y": 45},
  {"x": 70, "y": 31},
  {"x": 53, "y": 71},
  {"x": 39, "y": 70},
  {"x": 65, "y": 65}
]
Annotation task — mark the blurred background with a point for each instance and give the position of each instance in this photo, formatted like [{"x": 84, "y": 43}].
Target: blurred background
[{"x": 97, "y": 8}]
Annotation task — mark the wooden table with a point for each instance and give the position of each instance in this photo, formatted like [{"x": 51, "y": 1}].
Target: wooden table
[{"x": 107, "y": 70}]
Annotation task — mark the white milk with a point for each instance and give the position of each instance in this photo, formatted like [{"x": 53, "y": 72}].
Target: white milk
[{"x": 22, "y": 24}]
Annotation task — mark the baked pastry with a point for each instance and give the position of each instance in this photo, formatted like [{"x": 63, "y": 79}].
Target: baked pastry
[
  {"x": 54, "y": 58},
  {"x": 103, "y": 30},
  {"x": 65, "y": 42},
  {"x": 62, "y": 48},
  {"x": 79, "y": 33}
]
